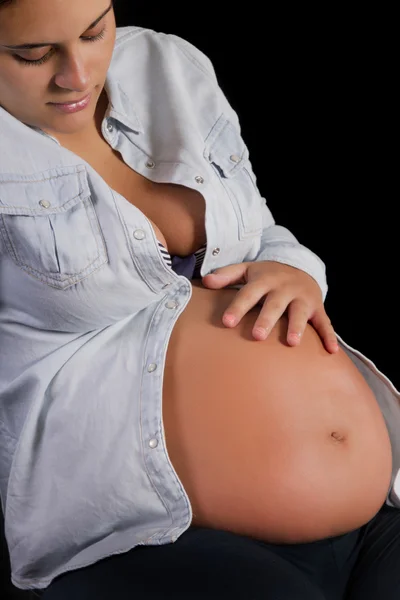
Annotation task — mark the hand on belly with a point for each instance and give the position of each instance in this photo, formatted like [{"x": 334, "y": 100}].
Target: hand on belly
[{"x": 285, "y": 444}]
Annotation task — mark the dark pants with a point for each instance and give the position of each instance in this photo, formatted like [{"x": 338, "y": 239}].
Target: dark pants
[{"x": 205, "y": 565}]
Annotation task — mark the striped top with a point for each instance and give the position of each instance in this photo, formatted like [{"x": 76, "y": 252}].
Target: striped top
[
  {"x": 198, "y": 257},
  {"x": 165, "y": 254}
]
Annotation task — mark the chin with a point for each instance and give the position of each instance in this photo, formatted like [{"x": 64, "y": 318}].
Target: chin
[{"x": 70, "y": 124}]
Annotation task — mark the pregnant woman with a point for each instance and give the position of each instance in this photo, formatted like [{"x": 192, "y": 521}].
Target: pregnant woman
[{"x": 177, "y": 417}]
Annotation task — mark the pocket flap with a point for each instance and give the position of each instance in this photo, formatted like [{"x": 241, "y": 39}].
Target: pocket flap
[
  {"x": 45, "y": 193},
  {"x": 225, "y": 147}
]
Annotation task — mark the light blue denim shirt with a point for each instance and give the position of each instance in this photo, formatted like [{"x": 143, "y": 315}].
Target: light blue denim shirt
[{"x": 87, "y": 305}]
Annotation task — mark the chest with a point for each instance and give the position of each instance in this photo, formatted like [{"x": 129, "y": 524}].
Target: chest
[{"x": 177, "y": 213}]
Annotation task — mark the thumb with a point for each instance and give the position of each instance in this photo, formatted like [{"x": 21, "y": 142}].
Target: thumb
[{"x": 230, "y": 275}]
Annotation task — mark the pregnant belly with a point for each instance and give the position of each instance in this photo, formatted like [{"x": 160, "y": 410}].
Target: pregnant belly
[{"x": 280, "y": 443}]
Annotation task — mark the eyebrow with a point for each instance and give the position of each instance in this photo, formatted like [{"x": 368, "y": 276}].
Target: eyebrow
[{"x": 45, "y": 44}]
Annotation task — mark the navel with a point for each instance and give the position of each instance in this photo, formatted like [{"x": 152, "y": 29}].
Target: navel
[{"x": 337, "y": 436}]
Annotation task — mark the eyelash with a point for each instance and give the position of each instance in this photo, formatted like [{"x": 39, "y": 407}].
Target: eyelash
[{"x": 47, "y": 56}]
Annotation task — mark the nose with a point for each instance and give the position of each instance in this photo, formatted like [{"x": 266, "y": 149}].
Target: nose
[{"x": 72, "y": 73}]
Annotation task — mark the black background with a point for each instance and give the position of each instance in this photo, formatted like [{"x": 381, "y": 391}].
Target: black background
[{"x": 313, "y": 88}]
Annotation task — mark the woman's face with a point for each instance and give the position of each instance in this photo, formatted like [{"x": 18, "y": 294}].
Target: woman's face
[{"x": 54, "y": 52}]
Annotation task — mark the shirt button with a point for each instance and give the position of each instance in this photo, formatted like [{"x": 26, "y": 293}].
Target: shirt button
[
  {"x": 139, "y": 234},
  {"x": 171, "y": 304},
  {"x": 152, "y": 367},
  {"x": 153, "y": 443},
  {"x": 199, "y": 179},
  {"x": 150, "y": 164},
  {"x": 216, "y": 251},
  {"x": 110, "y": 127},
  {"x": 235, "y": 158},
  {"x": 44, "y": 203}
]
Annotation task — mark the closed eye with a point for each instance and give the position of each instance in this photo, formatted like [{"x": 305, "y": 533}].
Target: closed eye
[{"x": 48, "y": 55}]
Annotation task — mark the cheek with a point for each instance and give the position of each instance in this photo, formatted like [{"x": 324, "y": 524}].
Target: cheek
[
  {"x": 96, "y": 64},
  {"x": 11, "y": 86},
  {"x": 18, "y": 84},
  {"x": 108, "y": 49}
]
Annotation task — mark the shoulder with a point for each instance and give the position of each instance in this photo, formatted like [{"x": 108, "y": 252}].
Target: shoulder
[
  {"x": 157, "y": 70},
  {"x": 24, "y": 149},
  {"x": 143, "y": 45}
]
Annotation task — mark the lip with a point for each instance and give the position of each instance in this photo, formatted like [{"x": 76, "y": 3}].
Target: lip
[{"x": 72, "y": 107}]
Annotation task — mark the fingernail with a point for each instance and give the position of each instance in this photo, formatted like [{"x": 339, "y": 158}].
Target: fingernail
[
  {"x": 229, "y": 320},
  {"x": 260, "y": 333},
  {"x": 294, "y": 337},
  {"x": 220, "y": 276}
]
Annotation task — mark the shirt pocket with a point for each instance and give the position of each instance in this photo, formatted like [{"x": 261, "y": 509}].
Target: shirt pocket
[
  {"x": 49, "y": 225},
  {"x": 226, "y": 151}
]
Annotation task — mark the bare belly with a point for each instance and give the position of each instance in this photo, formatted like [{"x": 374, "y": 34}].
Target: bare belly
[{"x": 283, "y": 444}]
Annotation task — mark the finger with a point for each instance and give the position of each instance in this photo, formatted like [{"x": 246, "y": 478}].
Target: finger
[
  {"x": 299, "y": 314},
  {"x": 274, "y": 306},
  {"x": 230, "y": 275},
  {"x": 246, "y": 298},
  {"x": 323, "y": 326}
]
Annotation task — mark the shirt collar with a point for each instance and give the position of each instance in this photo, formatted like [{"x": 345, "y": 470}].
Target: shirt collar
[{"x": 120, "y": 106}]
